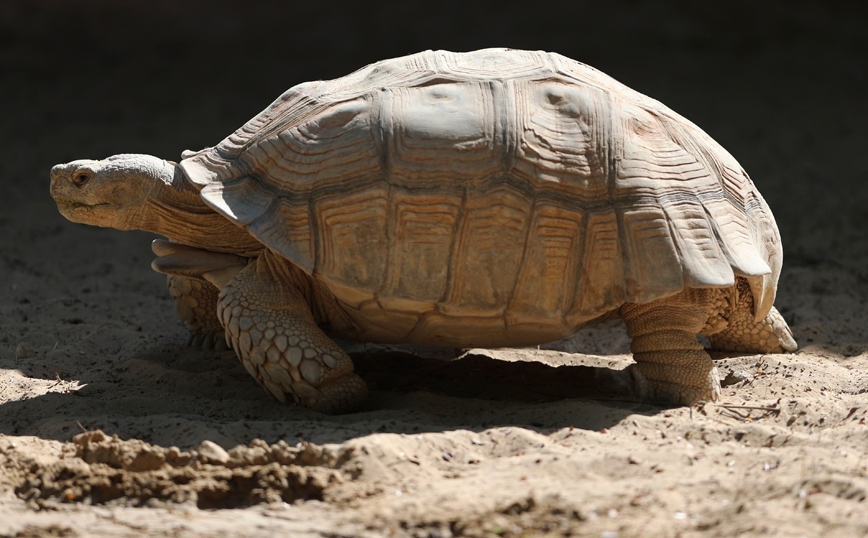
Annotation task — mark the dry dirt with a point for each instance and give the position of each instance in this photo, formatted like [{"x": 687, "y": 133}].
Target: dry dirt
[{"x": 110, "y": 426}]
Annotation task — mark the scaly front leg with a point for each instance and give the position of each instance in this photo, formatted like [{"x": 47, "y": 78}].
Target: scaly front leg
[{"x": 270, "y": 325}]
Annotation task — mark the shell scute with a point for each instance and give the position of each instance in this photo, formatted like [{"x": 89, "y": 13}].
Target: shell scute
[
  {"x": 440, "y": 134},
  {"x": 565, "y": 133}
]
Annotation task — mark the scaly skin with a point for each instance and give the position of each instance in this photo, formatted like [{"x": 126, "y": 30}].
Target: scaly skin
[
  {"x": 274, "y": 333},
  {"x": 745, "y": 335},
  {"x": 671, "y": 365},
  {"x": 196, "y": 305}
]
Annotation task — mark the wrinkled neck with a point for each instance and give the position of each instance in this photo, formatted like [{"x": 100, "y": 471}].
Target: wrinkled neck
[{"x": 176, "y": 210}]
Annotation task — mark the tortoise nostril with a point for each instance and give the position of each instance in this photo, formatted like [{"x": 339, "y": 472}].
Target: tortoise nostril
[{"x": 56, "y": 171}]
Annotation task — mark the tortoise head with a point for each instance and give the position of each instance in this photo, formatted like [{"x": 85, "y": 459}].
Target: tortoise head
[{"x": 110, "y": 192}]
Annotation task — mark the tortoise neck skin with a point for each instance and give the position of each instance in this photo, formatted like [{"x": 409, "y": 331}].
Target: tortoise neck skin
[
  {"x": 142, "y": 192},
  {"x": 175, "y": 209}
]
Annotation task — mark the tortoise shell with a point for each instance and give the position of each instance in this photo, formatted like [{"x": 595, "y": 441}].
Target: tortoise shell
[{"x": 514, "y": 193}]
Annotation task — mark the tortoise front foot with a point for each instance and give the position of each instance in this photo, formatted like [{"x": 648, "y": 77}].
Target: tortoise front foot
[
  {"x": 196, "y": 305},
  {"x": 272, "y": 330},
  {"x": 207, "y": 341}
]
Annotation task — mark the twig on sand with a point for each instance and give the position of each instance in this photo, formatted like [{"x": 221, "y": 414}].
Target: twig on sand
[
  {"x": 766, "y": 409},
  {"x": 770, "y": 409},
  {"x": 700, "y": 405}
]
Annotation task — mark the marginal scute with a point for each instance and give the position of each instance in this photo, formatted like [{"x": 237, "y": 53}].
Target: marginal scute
[
  {"x": 352, "y": 241},
  {"x": 422, "y": 229},
  {"x": 242, "y": 200},
  {"x": 654, "y": 270},
  {"x": 490, "y": 246},
  {"x": 546, "y": 285},
  {"x": 602, "y": 287}
]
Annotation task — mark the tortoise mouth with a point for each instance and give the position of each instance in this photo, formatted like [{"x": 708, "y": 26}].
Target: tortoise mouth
[
  {"x": 77, "y": 211},
  {"x": 74, "y": 204}
]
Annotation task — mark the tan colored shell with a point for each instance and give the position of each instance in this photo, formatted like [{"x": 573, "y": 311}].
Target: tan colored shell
[{"x": 519, "y": 192}]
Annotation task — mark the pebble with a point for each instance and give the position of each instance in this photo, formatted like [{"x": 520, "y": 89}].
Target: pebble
[
  {"x": 213, "y": 452},
  {"x": 24, "y": 351}
]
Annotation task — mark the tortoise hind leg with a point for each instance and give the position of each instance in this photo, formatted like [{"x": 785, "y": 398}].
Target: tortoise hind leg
[
  {"x": 671, "y": 365},
  {"x": 273, "y": 331},
  {"x": 190, "y": 270},
  {"x": 742, "y": 333},
  {"x": 196, "y": 305}
]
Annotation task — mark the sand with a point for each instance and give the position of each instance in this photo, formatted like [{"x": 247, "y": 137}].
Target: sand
[{"x": 111, "y": 426}]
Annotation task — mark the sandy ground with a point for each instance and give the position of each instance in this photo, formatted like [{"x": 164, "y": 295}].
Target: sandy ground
[{"x": 110, "y": 426}]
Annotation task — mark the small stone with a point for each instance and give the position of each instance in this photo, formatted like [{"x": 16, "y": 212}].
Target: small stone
[
  {"x": 213, "y": 452},
  {"x": 24, "y": 351},
  {"x": 735, "y": 377}
]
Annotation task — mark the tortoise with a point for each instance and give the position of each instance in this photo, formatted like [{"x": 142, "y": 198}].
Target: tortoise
[{"x": 483, "y": 199}]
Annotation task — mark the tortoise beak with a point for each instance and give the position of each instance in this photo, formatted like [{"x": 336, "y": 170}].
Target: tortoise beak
[
  {"x": 60, "y": 175},
  {"x": 66, "y": 187},
  {"x": 59, "y": 171}
]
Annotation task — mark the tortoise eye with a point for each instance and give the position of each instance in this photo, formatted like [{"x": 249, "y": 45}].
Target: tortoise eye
[{"x": 82, "y": 177}]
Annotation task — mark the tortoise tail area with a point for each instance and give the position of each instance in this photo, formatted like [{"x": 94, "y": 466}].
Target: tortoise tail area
[{"x": 687, "y": 202}]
